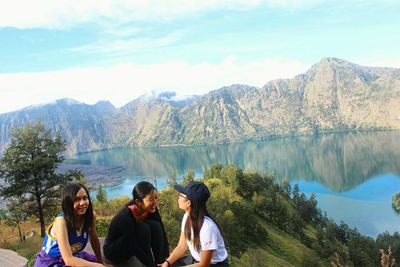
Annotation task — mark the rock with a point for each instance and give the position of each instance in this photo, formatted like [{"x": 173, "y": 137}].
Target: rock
[{"x": 10, "y": 258}]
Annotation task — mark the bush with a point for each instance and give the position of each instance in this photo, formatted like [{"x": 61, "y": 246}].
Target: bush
[
  {"x": 102, "y": 225},
  {"x": 110, "y": 207}
]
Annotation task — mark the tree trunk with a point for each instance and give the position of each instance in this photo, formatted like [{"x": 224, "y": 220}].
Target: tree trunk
[
  {"x": 19, "y": 231},
  {"x": 41, "y": 218}
]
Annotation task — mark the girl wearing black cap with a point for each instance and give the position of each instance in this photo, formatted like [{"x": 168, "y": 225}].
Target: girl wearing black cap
[
  {"x": 199, "y": 232},
  {"x": 136, "y": 236}
]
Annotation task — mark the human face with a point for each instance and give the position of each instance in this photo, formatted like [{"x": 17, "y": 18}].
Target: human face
[
  {"x": 183, "y": 202},
  {"x": 149, "y": 203},
  {"x": 81, "y": 202}
]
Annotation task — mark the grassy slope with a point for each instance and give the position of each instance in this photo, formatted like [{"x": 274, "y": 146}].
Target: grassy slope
[
  {"x": 281, "y": 249},
  {"x": 10, "y": 240}
]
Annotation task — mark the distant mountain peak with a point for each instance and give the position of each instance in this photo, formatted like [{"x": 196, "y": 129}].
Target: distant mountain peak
[
  {"x": 334, "y": 60},
  {"x": 234, "y": 88},
  {"x": 333, "y": 95},
  {"x": 104, "y": 103},
  {"x": 67, "y": 101},
  {"x": 167, "y": 95}
]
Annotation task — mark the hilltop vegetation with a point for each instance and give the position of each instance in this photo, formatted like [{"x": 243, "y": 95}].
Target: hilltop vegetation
[
  {"x": 264, "y": 224},
  {"x": 269, "y": 224}
]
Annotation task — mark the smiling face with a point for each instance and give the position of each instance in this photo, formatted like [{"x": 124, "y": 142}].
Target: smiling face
[
  {"x": 81, "y": 202},
  {"x": 149, "y": 203}
]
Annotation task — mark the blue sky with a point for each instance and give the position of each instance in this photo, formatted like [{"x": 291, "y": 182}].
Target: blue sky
[{"x": 118, "y": 50}]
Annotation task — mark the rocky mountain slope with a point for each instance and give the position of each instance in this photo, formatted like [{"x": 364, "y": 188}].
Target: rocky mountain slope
[{"x": 333, "y": 95}]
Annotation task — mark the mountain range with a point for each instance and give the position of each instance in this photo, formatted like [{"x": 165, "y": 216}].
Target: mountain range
[{"x": 333, "y": 95}]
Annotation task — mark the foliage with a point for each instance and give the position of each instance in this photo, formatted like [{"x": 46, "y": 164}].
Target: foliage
[
  {"x": 172, "y": 179},
  {"x": 213, "y": 172},
  {"x": 396, "y": 202},
  {"x": 307, "y": 261},
  {"x": 3, "y": 215},
  {"x": 79, "y": 178},
  {"x": 231, "y": 175},
  {"x": 28, "y": 168},
  {"x": 385, "y": 240},
  {"x": 102, "y": 225},
  {"x": 189, "y": 177},
  {"x": 101, "y": 194},
  {"x": 16, "y": 214},
  {"x": 265, "y": 222},
  {"x": 109, "y": 207},
  {"x": 362, "y": 251}
]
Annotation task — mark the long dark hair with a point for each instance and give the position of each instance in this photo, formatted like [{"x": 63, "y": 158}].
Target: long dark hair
[
  {"x": 140, "y": 191},
  {"x": 195, "y": 221},
  {"x": 67, "y": 205}
]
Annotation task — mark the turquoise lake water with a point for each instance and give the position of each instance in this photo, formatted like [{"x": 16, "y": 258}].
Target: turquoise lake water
[{"x": 354, "y": 175}]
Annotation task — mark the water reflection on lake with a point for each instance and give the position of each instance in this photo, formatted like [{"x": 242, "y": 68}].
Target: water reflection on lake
[{"x": 353, "y": 175}]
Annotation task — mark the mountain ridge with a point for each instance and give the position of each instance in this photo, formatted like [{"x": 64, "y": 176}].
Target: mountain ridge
[{"x": 333, "y": 95}]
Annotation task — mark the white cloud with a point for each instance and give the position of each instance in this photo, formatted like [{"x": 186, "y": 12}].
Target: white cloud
[
  {"x": 64, "y": 13},
  {"x": 125, "y": 82},
  {"x": 379, "y": 62},
  {"x": 130, "y": 44}
]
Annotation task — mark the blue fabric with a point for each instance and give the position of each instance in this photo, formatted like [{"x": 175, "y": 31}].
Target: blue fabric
[{"x": 77, "y": 243}]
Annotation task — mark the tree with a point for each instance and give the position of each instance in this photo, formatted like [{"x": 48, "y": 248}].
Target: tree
[
  {"x": 214, "y": 171},
  {"x": 232, "y": 175},
  {"x": 189, "y": 177},
  {"x": 16, "y": 214},
  {"x": 3, "y": 215},
  {"x": 29, "y": 167},
  {"x": 286, "y": 187},
  {"x": 81, "y": 179},
  {"x": 172, "y": 179},
  {"x": 101, "y": 194},
  {"x": 396, "y": 203}
]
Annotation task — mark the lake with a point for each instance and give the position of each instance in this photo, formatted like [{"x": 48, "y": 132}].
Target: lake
[{"x": 354, "y": 175}]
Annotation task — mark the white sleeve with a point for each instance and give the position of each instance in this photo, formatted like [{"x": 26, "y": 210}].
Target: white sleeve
[{"x": 208, "y": 236}]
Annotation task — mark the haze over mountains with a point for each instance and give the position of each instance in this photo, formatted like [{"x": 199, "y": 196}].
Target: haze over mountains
[{"x": 333, "y": 95}]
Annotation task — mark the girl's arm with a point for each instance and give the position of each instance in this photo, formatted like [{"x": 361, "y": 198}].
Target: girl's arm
[
  {"x": 177, "y": 253},
  {"x": 61, "y": 232},
  {"x": 94, "y": 240}
]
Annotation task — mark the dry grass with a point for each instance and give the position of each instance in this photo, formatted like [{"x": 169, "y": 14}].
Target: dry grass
[
  {"x": 9, "y": 238},
  {"x": 337, "y": 262},
  {"x": 9, "y": 234},
  {"x": 386, "y": 258}
]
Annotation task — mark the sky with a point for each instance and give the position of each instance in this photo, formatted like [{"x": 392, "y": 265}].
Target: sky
[{"x": 119, "y": 50}]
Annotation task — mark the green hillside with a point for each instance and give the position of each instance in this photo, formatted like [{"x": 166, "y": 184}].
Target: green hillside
[
  {"x": 264, "y": 223},
  {"x": 269, "y": 224}
]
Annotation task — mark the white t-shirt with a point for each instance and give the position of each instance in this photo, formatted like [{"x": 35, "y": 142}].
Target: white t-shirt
[{"x": 210, "y": 239}]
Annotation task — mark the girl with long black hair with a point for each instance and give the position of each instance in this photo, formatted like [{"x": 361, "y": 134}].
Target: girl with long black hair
[
  {"x": 199, "y": 231},
  {"x": 69, "y": 233},
  {"x": 136, "y": 236}
]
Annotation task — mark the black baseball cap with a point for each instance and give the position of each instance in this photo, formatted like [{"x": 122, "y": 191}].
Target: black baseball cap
[{"x": 195, "y": 191}]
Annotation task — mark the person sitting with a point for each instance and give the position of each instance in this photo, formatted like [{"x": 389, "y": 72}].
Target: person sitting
[
  {"x": 68, "y": 234},
  {"x": 199, "y": 231},
  {"x": 136, "y": 236}
]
